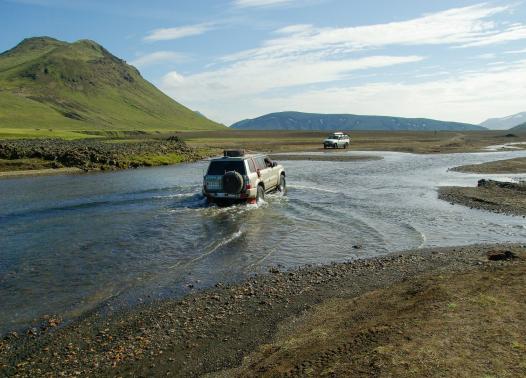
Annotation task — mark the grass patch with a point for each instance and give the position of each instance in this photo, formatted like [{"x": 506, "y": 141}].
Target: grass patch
[
  {"x": 25, "y": 164},
  {"x": 154, "y": 160},
  {"x": 10, "y": 133}
]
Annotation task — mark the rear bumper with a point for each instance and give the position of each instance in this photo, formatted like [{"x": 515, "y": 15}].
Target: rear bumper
[{"x": 247, "y": 195}]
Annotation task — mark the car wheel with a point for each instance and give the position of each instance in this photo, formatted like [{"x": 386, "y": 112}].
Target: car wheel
[
  {"x": 282, "y": 187},
  {"x": 261, "y": 194},
  {"x": 346, "y": 145}
]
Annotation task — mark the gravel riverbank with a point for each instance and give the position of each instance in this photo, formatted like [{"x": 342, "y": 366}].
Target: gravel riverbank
[
  {"x": 517, "y": 165},
  {"x": 499, "y": 197},
  {"x": 213, "y": 330}
]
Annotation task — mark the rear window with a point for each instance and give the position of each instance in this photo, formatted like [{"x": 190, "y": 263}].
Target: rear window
[{"x": 219, "y": 167}]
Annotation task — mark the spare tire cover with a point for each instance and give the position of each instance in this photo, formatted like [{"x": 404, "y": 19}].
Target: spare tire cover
[{"x": 232, "y": 182}]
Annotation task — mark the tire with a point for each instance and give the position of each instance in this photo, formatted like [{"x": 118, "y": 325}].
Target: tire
[
  {"x": 282, "y": 187},
  {"x": 260, "y": 194},
  {"x": 346, "y": 145},
  {"x": 232, "y": 182}
]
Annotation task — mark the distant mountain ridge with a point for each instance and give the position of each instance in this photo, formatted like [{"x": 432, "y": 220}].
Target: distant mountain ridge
[
  {"x": 519, "y": 128},
  {"x": 505, "y": 123},
  {"x": 330, "y": 122},
  {"x": 47, "y": 83}
]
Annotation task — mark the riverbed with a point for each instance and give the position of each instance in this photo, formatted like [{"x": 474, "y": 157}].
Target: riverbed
[{"x": 70, "y": 243}]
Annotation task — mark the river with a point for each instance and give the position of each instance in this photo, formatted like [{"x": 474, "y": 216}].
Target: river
[{"x": 70, "y": 243}]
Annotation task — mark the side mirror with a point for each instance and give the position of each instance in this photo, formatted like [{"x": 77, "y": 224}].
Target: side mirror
[
  {"x": 258, "y": 171},
  {"x": 274, "y": 164}
]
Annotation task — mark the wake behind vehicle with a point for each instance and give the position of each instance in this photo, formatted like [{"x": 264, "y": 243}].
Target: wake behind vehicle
[
  {"x": 337, "y": 140},
  {"x": 240, "y": 177}
]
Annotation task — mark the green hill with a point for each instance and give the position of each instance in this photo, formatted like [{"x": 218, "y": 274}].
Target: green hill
[
  {"x": 50, "y": 84},
  {"x": 312, "y": 121}
]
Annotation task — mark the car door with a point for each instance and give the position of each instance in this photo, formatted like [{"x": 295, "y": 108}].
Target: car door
[
  {"x": 272, "y": 175},
  {"x": 264, "y": 171}
]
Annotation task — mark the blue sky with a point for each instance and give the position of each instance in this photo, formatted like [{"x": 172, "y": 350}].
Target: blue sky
[{"x": 236, "y": 59}]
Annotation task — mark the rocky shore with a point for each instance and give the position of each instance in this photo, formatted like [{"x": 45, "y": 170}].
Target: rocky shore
[
  {"x": 255, "y": 328},
  {"x": 92, "y": 154},
  {"x": 496, "y": 196}
]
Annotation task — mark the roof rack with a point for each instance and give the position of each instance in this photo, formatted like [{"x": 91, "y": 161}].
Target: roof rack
[{"x": 233, "y": 153}]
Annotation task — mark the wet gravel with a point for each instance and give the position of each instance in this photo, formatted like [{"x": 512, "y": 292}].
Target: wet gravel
[
  {"x": 499, "y": 197},
  {"x": 212, "y": 330}
]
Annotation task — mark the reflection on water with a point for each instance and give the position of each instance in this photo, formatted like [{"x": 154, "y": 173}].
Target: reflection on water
[{"x": 68, "y": 243}]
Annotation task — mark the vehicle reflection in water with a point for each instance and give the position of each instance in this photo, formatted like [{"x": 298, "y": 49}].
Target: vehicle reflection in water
[{"x": 69, "y": 243}]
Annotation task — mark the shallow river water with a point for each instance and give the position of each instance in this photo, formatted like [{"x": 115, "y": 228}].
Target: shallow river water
[{"x": 69, "y": 243}]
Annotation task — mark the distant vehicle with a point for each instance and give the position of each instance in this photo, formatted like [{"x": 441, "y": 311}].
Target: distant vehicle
[
  {"x": 337, "y": 140},
  {"x": 240, "y": 177}
]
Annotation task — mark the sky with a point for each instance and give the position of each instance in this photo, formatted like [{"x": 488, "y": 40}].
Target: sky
[{"x": 235, "y": 59}]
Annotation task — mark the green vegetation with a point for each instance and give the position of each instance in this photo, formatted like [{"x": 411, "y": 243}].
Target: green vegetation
[
  {"x": 60, "y": 87},
  {"x": 8, "y": 133},
  {"x": 24, "y": 164},
  {"x": 93, "y": 154},
  {"x": 154, "y": 160}
]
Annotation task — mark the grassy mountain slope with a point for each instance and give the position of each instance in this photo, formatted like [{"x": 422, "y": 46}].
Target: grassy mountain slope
[
  {"x": 311, "y": 121},
  {"x": 50, "y": 84}
]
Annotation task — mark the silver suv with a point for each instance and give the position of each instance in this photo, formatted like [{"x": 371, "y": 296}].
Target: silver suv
[
  {"x": 337, "y": 140},
  {"x": 238, "y": 177}
]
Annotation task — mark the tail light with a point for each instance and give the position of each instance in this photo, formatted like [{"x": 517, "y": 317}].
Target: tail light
[{"x": 248, "y": 186}]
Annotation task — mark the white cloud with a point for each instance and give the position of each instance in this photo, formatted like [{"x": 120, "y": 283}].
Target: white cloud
[
  {"x": 158, "y": 57},
  {"x": 511, "y": 34},
  {"x": 320, "y": 61},
  {"x": 178, "y": 32},
  {"x": 516, "y": 52},
  {"x": 260, "y": 3},
  {"x": 461, "y": 27},
  {"x": 470, "y": 97},
  {"x": 255, "y": 77},
  {"x": 486, "y": 56}
]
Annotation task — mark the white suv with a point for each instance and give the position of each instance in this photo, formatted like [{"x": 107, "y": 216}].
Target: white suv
[
  {"x": 238, "y": 177},
  {"x": 337, "y": 140}
]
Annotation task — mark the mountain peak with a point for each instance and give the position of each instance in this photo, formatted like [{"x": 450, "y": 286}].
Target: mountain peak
[
  {"x": 34, "y": 44},
  {"x": 505, "y": 123},
  {"x": 81, "y": 84}
]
